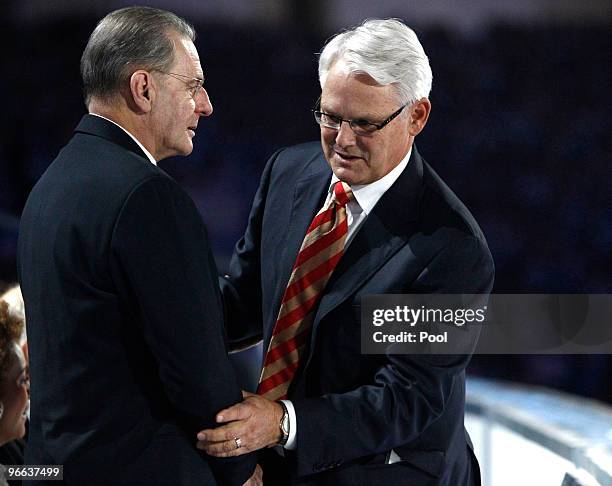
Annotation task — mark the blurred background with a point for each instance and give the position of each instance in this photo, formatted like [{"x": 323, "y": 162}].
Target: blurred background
[{"x": 520, "y": 127}]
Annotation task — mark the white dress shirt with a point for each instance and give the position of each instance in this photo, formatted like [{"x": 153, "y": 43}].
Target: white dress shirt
[
  {"x": 147, "y": 153},
  {"x": 357, "y": 210}
]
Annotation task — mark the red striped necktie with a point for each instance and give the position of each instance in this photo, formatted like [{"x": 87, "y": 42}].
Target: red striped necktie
[{"x": 319, "y": 254}]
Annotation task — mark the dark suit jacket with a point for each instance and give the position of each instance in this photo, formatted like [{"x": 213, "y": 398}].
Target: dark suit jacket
[
  {"x": 127, "y": 352},
  {"x": 352, "y": 409}
]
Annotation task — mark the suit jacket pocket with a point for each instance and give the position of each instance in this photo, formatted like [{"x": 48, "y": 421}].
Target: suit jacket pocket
[{"x": 431, "y": 462}]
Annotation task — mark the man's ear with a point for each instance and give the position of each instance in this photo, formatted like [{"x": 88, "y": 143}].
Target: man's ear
[
  {"x": 142, "y": 90},
  {"x": 419, "y": 116}
]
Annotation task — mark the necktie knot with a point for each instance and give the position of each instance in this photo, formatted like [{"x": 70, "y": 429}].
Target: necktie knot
[{"x": 342, "y": 193}]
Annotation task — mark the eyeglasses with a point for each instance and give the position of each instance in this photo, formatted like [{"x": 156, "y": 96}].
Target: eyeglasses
[
  {"x": 194, "y": 85},
  {"x": 359, "y": 126}
]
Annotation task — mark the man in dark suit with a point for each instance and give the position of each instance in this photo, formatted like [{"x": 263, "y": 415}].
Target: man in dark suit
[
  {"x": 344, "y": 418},
  {"x": 124, "y": 313}
]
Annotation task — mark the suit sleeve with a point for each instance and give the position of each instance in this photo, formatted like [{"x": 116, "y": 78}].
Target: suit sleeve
[
  {"x": 160, "y": 248},
  {"x": 241, "y": 286},
  {"x": 409, "y": 392}
]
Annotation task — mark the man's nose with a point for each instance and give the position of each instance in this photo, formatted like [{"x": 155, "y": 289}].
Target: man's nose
[
  {"x": 203, "y": 105},
  {"x": 345, "y": 136}
]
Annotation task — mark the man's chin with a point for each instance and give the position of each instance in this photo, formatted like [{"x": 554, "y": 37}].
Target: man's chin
[
  {"x": 185, "y": 150},
  {"x": 347, "y": 175}
]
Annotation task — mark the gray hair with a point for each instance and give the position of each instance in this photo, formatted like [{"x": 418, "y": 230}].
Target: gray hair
[
  {"x": 386, "y": 50},
  {"x": 126, "y": 40}
]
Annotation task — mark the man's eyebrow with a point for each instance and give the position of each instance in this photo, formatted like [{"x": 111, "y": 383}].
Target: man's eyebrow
[
  {"x": 328, "y": 110},
  {"x": 368, "y": 117}
]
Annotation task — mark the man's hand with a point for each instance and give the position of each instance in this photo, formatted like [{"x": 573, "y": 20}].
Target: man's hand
[
  {"x": 256, "y": 479},
  {"x": 251, "y": 425}
]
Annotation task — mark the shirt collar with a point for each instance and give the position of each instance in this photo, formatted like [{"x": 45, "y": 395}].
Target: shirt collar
[
  {"x": 367, "y": 195},
  {"x": 146, "y": 152}
]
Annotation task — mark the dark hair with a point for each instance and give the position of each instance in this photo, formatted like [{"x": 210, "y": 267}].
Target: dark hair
[
  {"x": 11, "y": 328},
  {"x": 126, "y": 40}
]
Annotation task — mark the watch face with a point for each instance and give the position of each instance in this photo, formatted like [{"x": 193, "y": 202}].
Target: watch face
[{"x": 285, "y": 424}]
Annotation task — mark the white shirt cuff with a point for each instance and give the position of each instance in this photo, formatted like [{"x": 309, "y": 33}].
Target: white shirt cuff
[{"x": 292, "y": 440}]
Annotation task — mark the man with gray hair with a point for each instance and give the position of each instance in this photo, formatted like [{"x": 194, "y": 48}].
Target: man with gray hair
[
  {"x": 359, "y": 213},
  {"x": 128, "y": 359}
]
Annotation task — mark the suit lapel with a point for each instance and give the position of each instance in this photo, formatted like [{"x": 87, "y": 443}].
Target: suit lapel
[
  {"x": 386, "y": 229},
  {"x": 308, "y": 197}
]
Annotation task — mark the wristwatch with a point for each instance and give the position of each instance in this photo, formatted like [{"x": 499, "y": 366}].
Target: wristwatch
[{"x": 284, "y": 425}]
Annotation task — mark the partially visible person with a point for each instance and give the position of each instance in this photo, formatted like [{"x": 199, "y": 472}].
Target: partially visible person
[
  {"x": 125, "y": 331},
  {"x": 14, "y": 388},
  {"x": 12, "y": 452}
]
